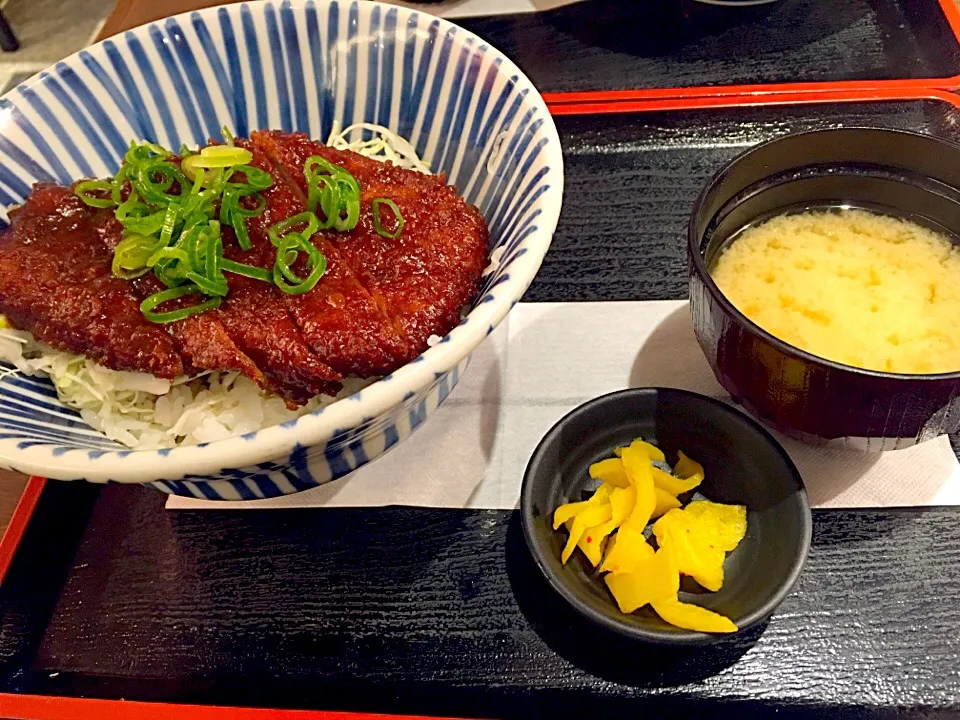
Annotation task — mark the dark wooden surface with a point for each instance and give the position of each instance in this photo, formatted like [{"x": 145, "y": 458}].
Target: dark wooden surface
[
  {"x": 616, "y": 45},
  {"x": 631, "y": 181},
  {"x": 441, "y": 611}
]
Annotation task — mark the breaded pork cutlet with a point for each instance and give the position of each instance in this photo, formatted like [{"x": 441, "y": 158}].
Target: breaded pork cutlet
[
  {"x": 338, "y": 317},
  {"x": 423, "y": 277},
  {"x": 382, "y": 295},
  {"x": 56, "y": 283}
]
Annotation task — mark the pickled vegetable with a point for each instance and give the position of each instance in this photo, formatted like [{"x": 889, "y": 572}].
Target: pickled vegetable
[
  {"x": 725, "y": 525},
  {"x": 654, "y": 579},
  {"x": 654, "y": 453},
  {"x": 695, "y": 555},
  {"x": 609, "y": 529},
  {"x": 636, "y": 462},
  {"x": 665, "y": 502},
  {"x": 674, "y": 485},
  {"x": 595, "y": 515},
  {"x": 630, "y": 549},
  {"x": 570, "y": 510},
  {"x": 610, "y": 471},
  {"x": 692, "y": 617},
  {"x": 688, "y": 469},
  {"x": 622, "y": 502}
]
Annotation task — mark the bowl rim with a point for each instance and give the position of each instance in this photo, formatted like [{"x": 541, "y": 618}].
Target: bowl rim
[
  {"x": 150, "y": 465},
  {"x": 673, "y": 637},
  {"x": 699, "y": 266}
]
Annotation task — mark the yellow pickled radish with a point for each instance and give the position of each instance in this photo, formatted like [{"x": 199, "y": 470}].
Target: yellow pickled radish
[
  {"x": 688, "y": 469},
  {"x": 630, "y": 549},
  {"x": 565, "y": 512},
  {"x": 588, "y": 518},
  {"x": 653, "y": 452},
  {"x": 692, "y": 617},
  {"x": 665, "y": 503},
  {"x": 622, "y": 501},
  {"x": 637, "y": 464},
  {"x": 610, "y": 471},
  {"x": 655, "y": 578},
  {"x": 674, "y": 485}
]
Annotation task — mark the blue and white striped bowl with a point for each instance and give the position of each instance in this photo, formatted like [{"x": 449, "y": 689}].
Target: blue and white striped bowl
[{"x": 301, "y": 65}]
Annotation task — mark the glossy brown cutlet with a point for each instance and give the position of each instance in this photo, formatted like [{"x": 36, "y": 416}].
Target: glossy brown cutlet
[
  {"x": 55, "y": 282},
  {"x": 338, "y": 318},
  {"x": 373, "y": 310},
  {"x": 424, "y": 277}
]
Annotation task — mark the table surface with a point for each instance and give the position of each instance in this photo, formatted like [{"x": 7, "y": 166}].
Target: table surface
[
  {"x": 127, "y": 14},
  {"x": 113, "y": 597}
]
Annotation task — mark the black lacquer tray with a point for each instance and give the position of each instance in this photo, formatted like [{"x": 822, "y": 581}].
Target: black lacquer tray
[
  {"x": 441, "y": 612},
  {"x": 612, "y": 46}
]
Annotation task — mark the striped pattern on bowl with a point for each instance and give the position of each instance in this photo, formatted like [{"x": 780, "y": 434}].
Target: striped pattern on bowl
[{"x": 296, "y": 66}]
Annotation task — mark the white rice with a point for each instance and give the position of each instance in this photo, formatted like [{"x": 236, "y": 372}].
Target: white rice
[{"x": 143, "y": 412}]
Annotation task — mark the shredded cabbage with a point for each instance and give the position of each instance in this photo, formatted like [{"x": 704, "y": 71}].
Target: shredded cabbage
[
  {"x": 385, "y": 145},
  {"x": 144, "y": 412}
]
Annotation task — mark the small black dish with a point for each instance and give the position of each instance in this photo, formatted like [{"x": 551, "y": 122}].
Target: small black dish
[{"x": 743, "y": 465}]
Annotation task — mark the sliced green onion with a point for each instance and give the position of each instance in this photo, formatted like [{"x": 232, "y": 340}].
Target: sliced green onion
[
  {"x": 153, "y": 178},
  {"x": 148, "y": 306},
  {"x": 170, "y": 271},
  {"x": 217, "y": 289},
  {"x": 350, "y": 206},
  {"x": 92, "y": 193},
  {"x": 227, "y": 135},
  {"x": 256, "y": 179},
  {"x": 132, "y": 207},
  {"x": 316, "y": 164},
  {"x": 170, "y": 219},
  {"x": 216, "y": 156},
  {"x": 172, "y": 212},
  {"x": 250, "y": 271},
  {"x": 199, "y": 177},
  {"x": 324, "y": 193},
  {"x": 289, "y": 245},
  {"x": 287, "y": 254},
  {"x": 277, "y": 230},
  {"x": 145, "y": 151},
  {"x": 151, "y": 224},
  {"x": 131, "y": 255},
  {"x": 240, "y": 230},
  {"x": 333, "y": 190},
  {"x": 156, "y": 149},
  {"x": 167, "y": 253},
  {"x": 213, "y": 254},
  {"x": 230, "y": 214},
  {"x": 378, "y": 222},
  {"x": 118, "y": 184},
  {"x": 254, "y": 211}
]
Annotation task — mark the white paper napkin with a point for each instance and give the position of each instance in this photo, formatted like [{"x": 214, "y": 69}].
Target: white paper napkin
[
  {"x": 547, "y": 358},
  {"x": 452, "y": 9}
]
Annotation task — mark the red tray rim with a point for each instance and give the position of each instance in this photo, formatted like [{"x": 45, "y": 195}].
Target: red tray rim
[
  {"x": 859, "y": 93},
  {"x": 47, "y": 707},
  {"x": 29, "y": 707}
]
